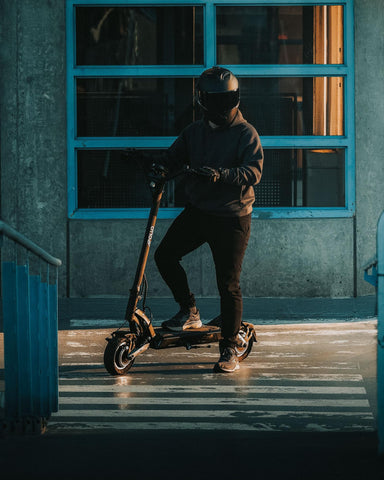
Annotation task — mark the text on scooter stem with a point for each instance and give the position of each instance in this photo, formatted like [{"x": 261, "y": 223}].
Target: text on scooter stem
[{"x": 150, "y": 235}]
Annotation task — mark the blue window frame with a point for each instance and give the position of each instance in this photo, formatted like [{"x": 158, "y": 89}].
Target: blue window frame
[{"x": 325, "y": 150}]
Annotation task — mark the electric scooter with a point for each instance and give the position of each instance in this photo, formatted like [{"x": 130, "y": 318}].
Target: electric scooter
[{"x": 125, "y": 344}]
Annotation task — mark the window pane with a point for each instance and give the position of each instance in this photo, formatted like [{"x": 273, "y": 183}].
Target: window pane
[
  {"x": 155, "y": 107},
  {"x": 116, "y": 179},
  {"x": 293, "y": 105},
  {"x": 280, "y": 34},
  {"x": 291, "y": 178},
  {"x": 139, "y": 35},
  {"x": 302, "y": 178},
  {"x": 134, "y": 106}
]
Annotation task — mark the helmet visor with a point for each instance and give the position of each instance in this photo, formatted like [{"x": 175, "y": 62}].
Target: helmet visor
[{"x": 218, "y": 103}]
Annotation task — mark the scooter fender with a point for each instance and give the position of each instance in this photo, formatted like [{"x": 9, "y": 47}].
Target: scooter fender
[
  {"x": 144, "y": 322},
  {"x": 251, "y": 331}
]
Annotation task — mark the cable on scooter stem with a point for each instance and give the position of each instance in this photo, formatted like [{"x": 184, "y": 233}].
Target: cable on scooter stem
[{"x": 139, "y": 292}]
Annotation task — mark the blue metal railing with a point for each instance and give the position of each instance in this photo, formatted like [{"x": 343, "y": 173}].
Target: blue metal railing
[
  {"x": 380, "y": 332},
  {"x": 30, "y": 335},
  {"x": 374, "y": 274}
]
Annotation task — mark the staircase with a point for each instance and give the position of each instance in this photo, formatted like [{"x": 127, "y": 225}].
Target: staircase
[{"x": 29, "y": 277}]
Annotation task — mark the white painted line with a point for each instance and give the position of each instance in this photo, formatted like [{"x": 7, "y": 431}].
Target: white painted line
[
  {"x": 82, "y": 364},
  {"x": 256, "y": 427},
  {"x": 72, "y": 344},
  {"x": 288, "y": 365},
  {"x": 267, "y": 343},
  {"x": 315, "y": 377},
  {"x": 270, "y": 377},
  {"x": 125, "y": 399},
  {"x": 233, "y": 389},
  {"x": 84, "y": 333},
  {"x": 104, "y": 322},
  {"x": 82, "y": 354},
  {"x": 208, "y": 414},
  {"x": 292, "y": 365},
  {"x": 320, "y": 332}
]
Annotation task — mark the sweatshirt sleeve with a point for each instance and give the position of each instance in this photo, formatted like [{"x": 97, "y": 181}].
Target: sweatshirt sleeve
[
  {"x": 251, "y": 157},
  {"x": 177, "y": 154}
]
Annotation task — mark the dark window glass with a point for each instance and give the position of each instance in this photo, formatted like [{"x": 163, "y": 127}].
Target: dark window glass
[
  {"x": 134, "y": 106},
  {"x": 302, "y": 178},
  {"x": 154, "y": 107},
  {"x": 291, "y": 178},
  {"x": 280, "y": 34},
  {"x": 139, "y": 35},
  {"x": 293, "y": 106},
  {"x": 118, "y": 179}
]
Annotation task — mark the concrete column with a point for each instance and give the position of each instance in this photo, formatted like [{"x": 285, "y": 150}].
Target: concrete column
[
  {"x": 33, "y": 122},
  {"x": 369, "y": 102}
]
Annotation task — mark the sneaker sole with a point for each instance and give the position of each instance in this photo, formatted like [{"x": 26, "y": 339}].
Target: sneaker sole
[
  {"x": 192, "y": 326},
  {"x": 218, "y": 369}
]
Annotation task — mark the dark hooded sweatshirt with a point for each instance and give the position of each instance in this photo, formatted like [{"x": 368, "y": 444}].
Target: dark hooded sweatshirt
[{"x": 235, "y": 150}]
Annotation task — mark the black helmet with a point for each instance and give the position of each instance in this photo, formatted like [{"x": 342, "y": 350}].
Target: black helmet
[{"x": 218, "y": 95}]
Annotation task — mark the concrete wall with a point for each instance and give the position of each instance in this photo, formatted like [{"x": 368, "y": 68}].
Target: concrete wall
[
  {"x": 299, "y": 257},
  {"x": 284, "y": 258},
  {"x": 369, "y": 104},
  {"x": 33, "y": 122}
]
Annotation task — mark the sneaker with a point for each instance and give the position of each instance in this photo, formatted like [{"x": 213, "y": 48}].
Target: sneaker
[
  {"x": 183, "y": 320},
  {"x": 228, "y": 361}
]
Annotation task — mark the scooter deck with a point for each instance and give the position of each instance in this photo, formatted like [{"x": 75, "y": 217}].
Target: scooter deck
[{"x": 188, "y": 338}]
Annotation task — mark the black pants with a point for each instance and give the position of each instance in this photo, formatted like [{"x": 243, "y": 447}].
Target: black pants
[{"x": 228, "y": 239}]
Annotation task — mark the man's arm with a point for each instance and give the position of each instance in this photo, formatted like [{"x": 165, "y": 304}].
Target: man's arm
[
  {"x": 251, "y": 158},
  {"x": 250, "y": 167},
  {"x": 176, "y": 156}
]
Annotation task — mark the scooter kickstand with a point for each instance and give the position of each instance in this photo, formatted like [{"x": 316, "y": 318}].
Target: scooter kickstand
[{"x": 188, "y": 346}]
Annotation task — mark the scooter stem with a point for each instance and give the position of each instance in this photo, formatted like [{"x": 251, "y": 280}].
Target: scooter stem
[{"x": 158, "y": 190}]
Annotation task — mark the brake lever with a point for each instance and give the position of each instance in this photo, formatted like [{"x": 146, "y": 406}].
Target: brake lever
[{"x": 166, "y": 178}]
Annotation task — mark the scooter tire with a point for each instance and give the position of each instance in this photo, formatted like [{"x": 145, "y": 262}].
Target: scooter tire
[
  {"x": 116, "y": 354},
  {"x": 243, "y": 352}
]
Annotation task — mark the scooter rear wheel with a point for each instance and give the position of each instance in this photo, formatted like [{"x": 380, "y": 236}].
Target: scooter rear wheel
[
  {"x": 243, "y": 350},
  {"x": 116, "y": 354}
]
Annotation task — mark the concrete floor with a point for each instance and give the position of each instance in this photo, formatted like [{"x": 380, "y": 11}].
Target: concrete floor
[
  {"x": 302, "y": 406},
  {"x": 302, "y": 377}
]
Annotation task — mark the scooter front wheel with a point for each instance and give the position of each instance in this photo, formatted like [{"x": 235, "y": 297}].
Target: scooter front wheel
[{"x": 116, "y": 354}]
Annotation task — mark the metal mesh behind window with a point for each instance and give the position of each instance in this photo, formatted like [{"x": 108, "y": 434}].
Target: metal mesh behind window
[{"x": 291, "y": 178}]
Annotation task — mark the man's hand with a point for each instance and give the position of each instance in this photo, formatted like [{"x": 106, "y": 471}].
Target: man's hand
[
  {"x": 209, "y": 173},
  {"x": 157, "y": 173}
]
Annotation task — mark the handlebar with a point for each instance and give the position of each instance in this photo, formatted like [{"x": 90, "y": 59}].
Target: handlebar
[{"x": 163, "y": 176}]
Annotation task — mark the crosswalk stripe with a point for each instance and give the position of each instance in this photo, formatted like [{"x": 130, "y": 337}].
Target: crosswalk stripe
[
  {"x": 262, "y": 377},
  {"x": 172, "y": 389},
  {"x": 257, "y": 365},
  {"x": 310, "y": 377},
  {"x": 122, "y": 400},
  {"x": 206, "y": 413},
  {"x": 210, "y": 426}
]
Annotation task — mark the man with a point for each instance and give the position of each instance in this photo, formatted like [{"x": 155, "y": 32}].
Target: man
[{"x": 225, "y": 158}]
